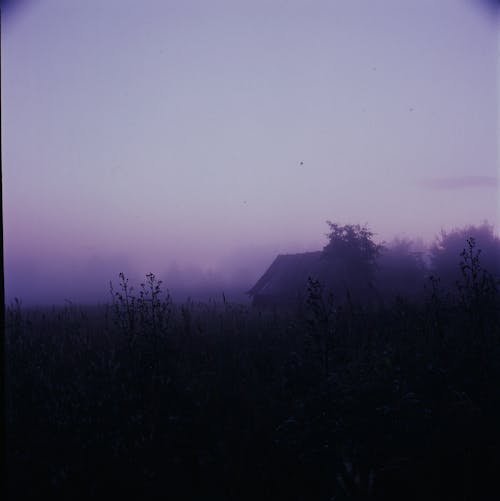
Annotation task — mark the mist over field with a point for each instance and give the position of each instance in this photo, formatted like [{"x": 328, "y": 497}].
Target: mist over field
[
  {"x": 67, "y": 279},
  {"x": 70, "y": 281},
  {"x": 199, "y": 140}
]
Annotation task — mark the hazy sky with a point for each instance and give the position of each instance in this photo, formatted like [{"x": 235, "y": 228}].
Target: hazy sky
[{"x": 146, "y": 133}]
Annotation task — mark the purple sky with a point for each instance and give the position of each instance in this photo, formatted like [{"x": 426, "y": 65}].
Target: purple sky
[{"x": 216, "y": 134}]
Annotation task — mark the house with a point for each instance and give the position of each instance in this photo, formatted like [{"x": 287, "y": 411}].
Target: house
[{"x": 285, "y": 281}]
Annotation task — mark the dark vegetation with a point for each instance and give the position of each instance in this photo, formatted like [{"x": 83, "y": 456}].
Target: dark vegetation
[{"x": 335, "y": 400}]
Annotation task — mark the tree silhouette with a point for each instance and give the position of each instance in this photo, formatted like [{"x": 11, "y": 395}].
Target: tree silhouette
[
  {"x": 353, "y": 244},
  {"x": 351, "y": 257},
  {"x": 447, "y": 250},
  {"x": 401, "y": 269}
]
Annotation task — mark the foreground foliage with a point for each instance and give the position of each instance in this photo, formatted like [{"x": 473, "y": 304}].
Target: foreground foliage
[{"x": 146, "y": 399}]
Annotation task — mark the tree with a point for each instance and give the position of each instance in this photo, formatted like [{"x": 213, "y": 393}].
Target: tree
[
  {"x": 353, "y": 245},
  {"x": 446, "y": 252},
  {"x": 401, "y": 270},
  {"x": 351, "y": 255}
]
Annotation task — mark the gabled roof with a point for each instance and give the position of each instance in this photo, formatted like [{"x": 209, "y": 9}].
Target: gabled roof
[{"x": 288, "y": 273}]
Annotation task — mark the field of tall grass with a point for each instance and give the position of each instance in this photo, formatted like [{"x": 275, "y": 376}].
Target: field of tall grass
[{"x": 145, "y": 398}]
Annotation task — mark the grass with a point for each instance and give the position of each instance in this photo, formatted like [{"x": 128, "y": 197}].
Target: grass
[{"x": 145, "y": 398}]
